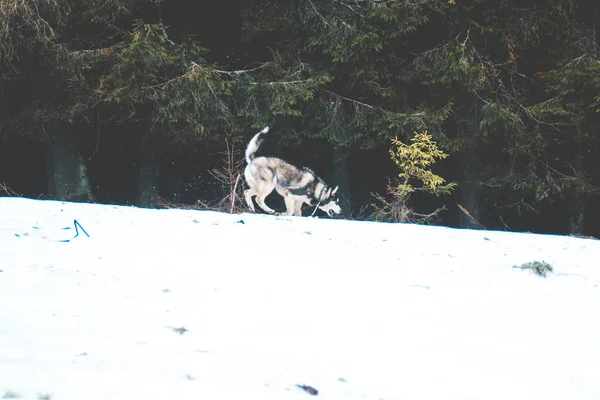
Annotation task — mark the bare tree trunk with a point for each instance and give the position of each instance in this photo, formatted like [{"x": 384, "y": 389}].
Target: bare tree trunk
[
  {"x": 175, "y": 188},
  {"x": 171, "y": 181},
  {"x": 3, "y": 104},
  {"x": 148, "y": 189},
  {"x": 66, "y": 172},
  {"x": 576, "y": 217},
  {"x": 340, "y": 179}
]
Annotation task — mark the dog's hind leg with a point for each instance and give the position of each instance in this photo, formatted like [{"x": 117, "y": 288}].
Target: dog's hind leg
[
  {"x": 260, "y": 200},
  {"x": 262, "y": 191},
  {"x": 248, "y": 193}
]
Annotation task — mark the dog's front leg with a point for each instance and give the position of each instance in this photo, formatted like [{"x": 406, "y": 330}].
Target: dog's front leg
[
  {"x": 298, "y": 208},
  {"x": 289, "y": 203}
]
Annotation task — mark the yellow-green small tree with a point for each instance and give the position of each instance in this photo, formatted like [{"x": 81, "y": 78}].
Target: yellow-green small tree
[{"x": 415, "y": 161}]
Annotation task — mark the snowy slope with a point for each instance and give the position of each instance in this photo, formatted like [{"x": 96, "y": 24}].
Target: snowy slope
[{"x": 356, "y": 310}]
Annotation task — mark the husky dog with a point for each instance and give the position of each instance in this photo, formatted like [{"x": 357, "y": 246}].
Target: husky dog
[{"x": 296, "y": 185}]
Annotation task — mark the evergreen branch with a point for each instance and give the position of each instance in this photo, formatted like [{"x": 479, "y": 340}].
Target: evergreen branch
[
  {"x": 18, "y": 15},
  {"x": 302, "y": 66},
  {"x": 349, "y": 7},
  {"x": 519, "y": 204},
  {"x": 283, "y": 83},
  {"x": 158, "y": 85},
  {"x": 433, "y": 50},
  {"x": 349, "y": 99},
  {"x": 195, "y": 67},
  {"x": 84, "y": 52},
  {"x": 531, "y": 80},
  {"x": 372, "y": 107},
  {"x": 240, "y": 71},
  {"x": 548, "y": 102},
  {"x": 380, "y": 2},
  {"x": 595, "y": 29},
  {"x": 570, "y": 63},
  {"x": 561, "y": 175},
  {"x": 553, "y": 125},
  {"x": 346, "y": 24},
  {"x": 318, "y": 13}
]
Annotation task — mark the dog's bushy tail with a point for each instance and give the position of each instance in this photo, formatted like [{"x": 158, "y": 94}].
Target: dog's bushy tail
[{"x": 254, "y": 144}]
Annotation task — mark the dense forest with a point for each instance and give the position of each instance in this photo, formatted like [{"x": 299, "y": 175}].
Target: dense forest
[{"x": 151, "y": 102}]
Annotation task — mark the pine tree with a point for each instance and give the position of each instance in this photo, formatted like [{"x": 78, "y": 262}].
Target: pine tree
[
  {"x": 550, "y": 160},
  {"x": 465, "y": 71},
  {"x": 163, "y": 91},
  {"x": 33, "y": 83},
  {"x": 415, "y": 162}
]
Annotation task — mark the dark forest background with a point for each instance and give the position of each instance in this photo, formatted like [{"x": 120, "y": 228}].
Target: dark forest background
[{"x": 134, "y": 101}]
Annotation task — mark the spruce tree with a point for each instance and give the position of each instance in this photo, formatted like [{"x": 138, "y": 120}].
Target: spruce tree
[
  {"x": 33, "y": 84},
  {"x": 162, "y": 91}
]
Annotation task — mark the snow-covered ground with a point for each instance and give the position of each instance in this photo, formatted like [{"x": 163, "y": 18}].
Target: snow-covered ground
[{"x": 176, "y": 304}]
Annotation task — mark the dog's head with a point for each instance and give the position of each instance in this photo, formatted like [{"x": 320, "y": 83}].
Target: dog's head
[{"x": 330, "y": 202}]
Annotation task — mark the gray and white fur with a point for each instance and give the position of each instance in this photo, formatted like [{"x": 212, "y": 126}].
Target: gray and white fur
[{"x": 296, "y": 185}]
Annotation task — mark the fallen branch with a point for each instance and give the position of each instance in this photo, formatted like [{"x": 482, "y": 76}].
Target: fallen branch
[{"x": 470, "y": 216}]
